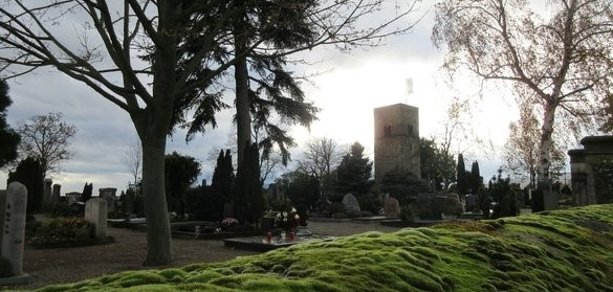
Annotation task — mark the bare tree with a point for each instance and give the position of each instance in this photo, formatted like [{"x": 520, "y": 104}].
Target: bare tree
[
  {"x": 47, "y": 138},
  {"x": 132, "y": 159},
  {"x": 115, "y": 32},
  {"x": 560, "y": 63},
  {"x": 521, "y": 149},
  {"x": 320, "y": 158},
  {"x": 456, "y": 127}
]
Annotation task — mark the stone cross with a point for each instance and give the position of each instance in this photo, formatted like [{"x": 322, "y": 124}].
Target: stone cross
[
  {"x": 96, "y": 213},
  {"x": 13, "y": 225}
]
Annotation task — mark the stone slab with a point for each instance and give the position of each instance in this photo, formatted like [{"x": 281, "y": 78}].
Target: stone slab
[{"x": 258, "y": 243}]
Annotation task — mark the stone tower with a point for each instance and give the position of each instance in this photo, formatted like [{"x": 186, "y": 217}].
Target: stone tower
[{"x": 396, "y": 139}]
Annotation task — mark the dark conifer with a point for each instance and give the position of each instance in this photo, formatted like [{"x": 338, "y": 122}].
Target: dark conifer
[
  {"x": 29, "y": 172},
  {"x": 9, "y": 139},
  {"x": 461, "y": 176}
]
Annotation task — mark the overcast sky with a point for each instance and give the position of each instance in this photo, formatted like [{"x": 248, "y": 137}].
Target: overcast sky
[{"x": 350, "y": 87}]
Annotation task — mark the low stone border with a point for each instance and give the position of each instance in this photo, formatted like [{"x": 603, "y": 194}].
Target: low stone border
[
  {"x": 16, "y": 280},
  {"x": 215, "y": 236},
  {"x": 75, "y": 243},
  {"x": 333, "y": 220}
]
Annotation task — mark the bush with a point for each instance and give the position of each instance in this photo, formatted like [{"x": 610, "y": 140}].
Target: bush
[
  {"x": 408, "y": 214},
  {"x": 337, "y": 210},
  {"x": 61, "y": 209},
  {"x": 62, "y": 232},
  {"x": 403, "y": 185},
  {"x": 370, "y": 202}
]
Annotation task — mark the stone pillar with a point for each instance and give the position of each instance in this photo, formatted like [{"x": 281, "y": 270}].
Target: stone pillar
[
  {"x": 14, "y": 224},
  {"x": 2, "y": 202},
  {"x": 95, "y": 212},
  {"x": 47, "y": 190},
  {"x": 55, "y": 197}
]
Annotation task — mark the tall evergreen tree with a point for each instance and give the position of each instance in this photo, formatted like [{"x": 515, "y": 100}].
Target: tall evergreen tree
[
  {"x": 475, "y": 178},
  {"x": 248, "y": 189},
  {"x": 222, "y": 183},
  {"x": 30, "y": 173},
  {"x": 181, "y": 171},
  {"x": 9, "y": 139},
  {"x": 461, "y": 176},
  {"x": 354, "y": 172},
  {"x": 87, "y": 192}
]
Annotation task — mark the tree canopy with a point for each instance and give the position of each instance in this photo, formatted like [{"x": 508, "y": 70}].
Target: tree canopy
[
  {"x": 354, "y": 171},
  {"x": 560, "y": 64},
  {"x": 30, "y": 173},
  {"x": 181, "y": 171},
  {"x": 437, "y": 166},
  {"x": 9, "y": 139},
  {"x": 47, "y": 138}
]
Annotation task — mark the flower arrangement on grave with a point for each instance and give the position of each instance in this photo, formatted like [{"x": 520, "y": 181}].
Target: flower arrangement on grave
[
  {"x": 287, "y": 220},
  {"x": 227, "y": 224}
]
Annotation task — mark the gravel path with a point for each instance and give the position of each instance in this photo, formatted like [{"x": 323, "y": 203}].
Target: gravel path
[{"x": 65, "y": 265}]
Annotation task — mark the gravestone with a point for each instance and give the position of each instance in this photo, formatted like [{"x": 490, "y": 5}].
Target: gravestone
[
  {"x": 96, "y": 213},
  {"x": 47, "y": 190},
  {"x": 351, "y": 204},
  {"x": 128, "y": 203},
  {"x": 13, "y": 225},
  {"x": 471, "y": 203},
  {"x": 55, "y": 197},
  {"x": 391, "y": 207},
  {"x": 73, "y": 197},
  {"x": 109, "y": 195}
]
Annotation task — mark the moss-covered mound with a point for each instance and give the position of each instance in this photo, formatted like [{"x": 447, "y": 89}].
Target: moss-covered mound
[{"x": 565, "y": 250}]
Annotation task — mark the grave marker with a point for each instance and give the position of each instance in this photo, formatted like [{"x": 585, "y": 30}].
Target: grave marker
[
  {"x": 391, "y": 208},
  {"x": 13, "y": 225},
  {"x": 96, "y": 213},
  {"x": 352, "y": 206}
]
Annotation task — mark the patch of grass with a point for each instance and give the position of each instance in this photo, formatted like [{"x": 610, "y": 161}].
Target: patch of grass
[{"x": 563, "y": 250}]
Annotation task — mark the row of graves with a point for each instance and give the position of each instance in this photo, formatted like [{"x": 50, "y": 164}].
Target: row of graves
[{"x": 13, "y": 205}]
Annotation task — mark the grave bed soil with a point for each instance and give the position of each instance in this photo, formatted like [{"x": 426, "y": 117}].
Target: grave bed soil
[{"x": 71, "y": 243}]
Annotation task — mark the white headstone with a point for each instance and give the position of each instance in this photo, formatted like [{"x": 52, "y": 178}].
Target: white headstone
[
  {"x": 13, "y": 225},
  {"x": 95, "y": 212},
  {"x": 351, "y": 204}
]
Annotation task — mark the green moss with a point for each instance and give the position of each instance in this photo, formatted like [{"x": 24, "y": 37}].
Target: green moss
[
  {"x": 564, "y": 250},
  {"x": 141, "y": 278}
]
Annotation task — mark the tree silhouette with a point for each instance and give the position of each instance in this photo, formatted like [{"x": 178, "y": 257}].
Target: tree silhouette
[{"x": 9, "y": 139}]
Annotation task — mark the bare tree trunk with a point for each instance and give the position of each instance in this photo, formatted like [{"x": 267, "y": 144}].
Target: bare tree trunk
[{"x": 546, "y": 142}]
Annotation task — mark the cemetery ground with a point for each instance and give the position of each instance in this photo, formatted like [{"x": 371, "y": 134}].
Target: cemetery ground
[
  {"x": 561, "y": 250},
  {"x": 65, "y": 265}
]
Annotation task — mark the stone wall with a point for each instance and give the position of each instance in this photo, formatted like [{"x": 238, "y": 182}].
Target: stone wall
[{"x": 590, "y": 184}]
